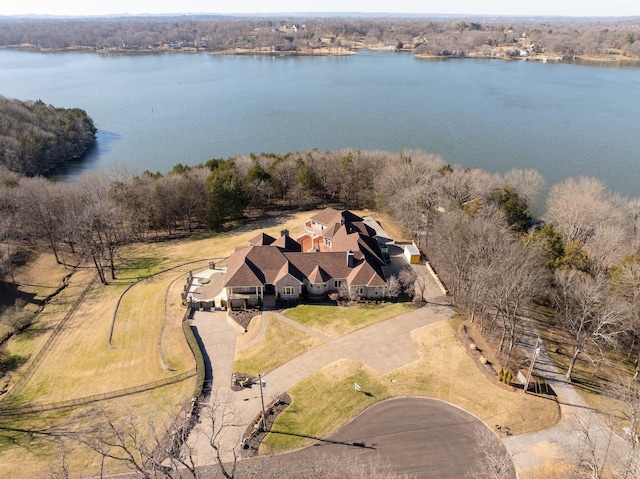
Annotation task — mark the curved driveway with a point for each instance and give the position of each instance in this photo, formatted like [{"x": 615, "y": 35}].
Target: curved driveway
[{"x": 384, "y": 346}]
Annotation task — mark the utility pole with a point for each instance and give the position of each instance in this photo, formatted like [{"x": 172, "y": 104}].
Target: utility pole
[
  {"x": 533, "y": 362},
  {"x": 264, "y": 416}
]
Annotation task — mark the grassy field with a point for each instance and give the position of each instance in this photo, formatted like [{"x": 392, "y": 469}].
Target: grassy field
[
  {"x": 445, "y": 371},
  {"x": 81, "y": 363}
]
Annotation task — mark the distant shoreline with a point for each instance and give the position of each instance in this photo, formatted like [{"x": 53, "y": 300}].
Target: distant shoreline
[{"x": 594, "y": 60}]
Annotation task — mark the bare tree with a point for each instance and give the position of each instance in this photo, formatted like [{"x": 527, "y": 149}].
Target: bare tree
[
  {"x": 625, "y": 281},
  {"x": 588, "y": 446},
  {"x": 421, "y": 283},
  {"x": 407, "y": 278},
  {"x": 393, "y": 287},
  {"x": 585, "y": 310},
  {"x": 410, "y": 187},
  {"x": 528, "y": 183},
  {"x": 161, "y": 446},
  {"x": 626, "y": 392},
  {"x": 60, "y": 471},
  {"x": 496, "y": 462},
  {"x": 519, "y": 281},
  {"x": 43, "y": 205},
  {"x": 577, "y": 207}
]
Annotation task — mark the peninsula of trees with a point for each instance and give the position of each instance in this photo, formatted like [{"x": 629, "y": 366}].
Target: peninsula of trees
[
  {"x": 553, "y": 38},
  {"x": 35, "y": 137}
]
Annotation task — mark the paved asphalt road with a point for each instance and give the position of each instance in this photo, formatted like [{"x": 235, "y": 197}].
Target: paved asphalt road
[{"x": 416, "y": 437}]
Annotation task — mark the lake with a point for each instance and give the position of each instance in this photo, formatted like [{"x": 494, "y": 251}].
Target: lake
[{"x": 153, "y": 111}]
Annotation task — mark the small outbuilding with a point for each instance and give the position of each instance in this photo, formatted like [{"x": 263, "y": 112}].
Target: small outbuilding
[{"x": 412, "y": 253}]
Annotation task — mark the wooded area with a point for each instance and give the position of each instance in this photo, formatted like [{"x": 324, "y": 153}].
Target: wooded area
[
  {"x": 580, "y": 261},
  {"x": 35, "y": 137},
  {"x": 557, "y": 38},
  {"x": 573, "y": 274}
]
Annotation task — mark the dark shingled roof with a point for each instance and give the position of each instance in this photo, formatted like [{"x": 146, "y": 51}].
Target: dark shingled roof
[
  {"x": 286, "y": 243},
  {"x": 263, "y": 239},
  {"x": 268, "y": 260}
]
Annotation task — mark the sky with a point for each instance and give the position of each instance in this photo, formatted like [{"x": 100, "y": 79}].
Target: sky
[{"x": 574, "y": 8}]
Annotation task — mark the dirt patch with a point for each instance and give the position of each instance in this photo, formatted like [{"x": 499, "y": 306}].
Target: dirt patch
[{"x": 255, "y": 434}]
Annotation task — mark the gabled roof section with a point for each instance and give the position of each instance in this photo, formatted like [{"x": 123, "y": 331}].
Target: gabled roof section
[
  {"x": 254, "y": 266},
  {"x": 365, "y": 275},
  {"x": 330, "y": 217},
  {"x": 289, "y": 269},
  {"x": 333, "y": 264},
  {"x": 331, "y": 230},
  {"x": 263, "y": 239},
  {"x": 344, "y": 241},
  {"x": 327, "y": 217},
  {"x": 286, "y": 243},
  {"x": 318, "y": 275},
  {"x": 242, "y": 272}
]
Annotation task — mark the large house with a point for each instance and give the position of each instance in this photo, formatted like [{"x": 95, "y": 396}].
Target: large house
[{"x": 337, "y": 252}]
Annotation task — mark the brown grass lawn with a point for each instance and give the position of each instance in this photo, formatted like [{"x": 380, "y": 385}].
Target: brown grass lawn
[
  {"x": 280, "y": 345},
  {"x": 84, "y": 364},
  {"x": 81, "y": 363},
  {"x": 445, "y": 371},
  {"x": 336, "y": 321},
  {"x": 33, "y": 456}
]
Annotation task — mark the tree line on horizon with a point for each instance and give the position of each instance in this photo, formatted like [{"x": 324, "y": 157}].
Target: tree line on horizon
[{"x": 439, "y": 37}]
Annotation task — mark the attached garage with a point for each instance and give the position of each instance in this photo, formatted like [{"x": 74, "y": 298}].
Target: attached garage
[{"x": 412, "y": 253}]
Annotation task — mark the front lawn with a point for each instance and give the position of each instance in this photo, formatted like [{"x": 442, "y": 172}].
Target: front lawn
[
  {"x": 326, "y": 401},
  {"x": 280, "y": 344},
  {"x": 323, "y": 402},
  {"x": 335, "y": 321}
]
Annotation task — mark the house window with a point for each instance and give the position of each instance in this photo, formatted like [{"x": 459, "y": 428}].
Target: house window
[
  {"x": 318, "y": 286},
  {"x": 288, "y": 290},
  {"x": 327, "y": 242},
  {"x": 360, "y": 290},
  {"x": 337, "y": 283}
]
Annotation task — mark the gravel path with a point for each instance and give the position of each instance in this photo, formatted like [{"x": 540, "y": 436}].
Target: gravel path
[{"x": 562, "y": 442}]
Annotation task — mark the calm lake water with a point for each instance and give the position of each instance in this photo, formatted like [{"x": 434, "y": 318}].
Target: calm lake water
[{"x": 154, "y": 111}]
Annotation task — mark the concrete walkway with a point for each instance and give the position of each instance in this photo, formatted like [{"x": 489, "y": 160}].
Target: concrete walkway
[{"x": 384, "y": 346}]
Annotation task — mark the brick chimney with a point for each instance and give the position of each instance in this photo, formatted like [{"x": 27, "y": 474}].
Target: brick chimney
[{"x": 284, "y": 232}]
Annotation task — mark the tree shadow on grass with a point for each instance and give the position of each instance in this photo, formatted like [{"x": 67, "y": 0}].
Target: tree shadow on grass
[{"x": 322, "y": 441}]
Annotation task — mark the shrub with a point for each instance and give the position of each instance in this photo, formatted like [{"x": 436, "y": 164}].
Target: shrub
[{"x": 197, "y": 354}]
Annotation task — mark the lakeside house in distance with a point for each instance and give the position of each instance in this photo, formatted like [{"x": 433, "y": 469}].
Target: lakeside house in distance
[{"x": 338, "y": 251}]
